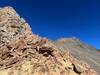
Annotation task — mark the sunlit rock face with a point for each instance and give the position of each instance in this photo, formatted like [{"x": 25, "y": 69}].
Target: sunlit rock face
[
  {"x": 24, "y": 53},
  {"x": 81, "y": 51},
  {"x": 11, "y": 25}
]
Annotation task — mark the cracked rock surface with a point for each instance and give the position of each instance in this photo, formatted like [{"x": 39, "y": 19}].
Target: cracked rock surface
[{"x": 24, "y": 53}]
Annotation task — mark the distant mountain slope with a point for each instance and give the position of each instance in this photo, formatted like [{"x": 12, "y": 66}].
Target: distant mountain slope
[
  {"x": 24, "y": 53},
  {"x": 81, "y": 51}
]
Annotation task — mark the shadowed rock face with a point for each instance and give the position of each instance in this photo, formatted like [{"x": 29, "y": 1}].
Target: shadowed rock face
[
  {"x": 81, "y": 51},
  {"x": 24, "y": 53}
]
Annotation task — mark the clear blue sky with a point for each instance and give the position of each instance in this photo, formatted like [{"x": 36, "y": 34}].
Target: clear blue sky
[{"x": 61, "y": 18}]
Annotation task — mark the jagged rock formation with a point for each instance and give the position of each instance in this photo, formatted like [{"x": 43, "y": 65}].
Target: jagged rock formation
[
  {"x": 81, "y": 51},
  {"x": 24, "y": 53}
]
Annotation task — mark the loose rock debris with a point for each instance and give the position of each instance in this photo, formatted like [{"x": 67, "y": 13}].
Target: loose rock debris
[{"x": 24, "y": 53}]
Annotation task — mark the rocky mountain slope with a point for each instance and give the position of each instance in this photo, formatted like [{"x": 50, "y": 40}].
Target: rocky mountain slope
[
  {"x": 24, "y": 53},
  {"x": 81, "y": 51}
]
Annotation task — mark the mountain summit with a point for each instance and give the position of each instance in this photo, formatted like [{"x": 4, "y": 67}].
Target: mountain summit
[
  {"x": 81, "y": 51},
  {"x": 24, "y": 53}
]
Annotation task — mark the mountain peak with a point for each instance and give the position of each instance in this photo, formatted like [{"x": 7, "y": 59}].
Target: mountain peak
[
  {"x": 11, "y": 25},
  {"x": 24, "y": 53},
  {"x": 81, "y": 51},
  {"x": 70, "y": 38}
]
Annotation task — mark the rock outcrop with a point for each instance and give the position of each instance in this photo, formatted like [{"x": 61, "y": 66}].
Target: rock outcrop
[
  {"x": 24, "y": 53},
  {"x": 81, "y": 51}
]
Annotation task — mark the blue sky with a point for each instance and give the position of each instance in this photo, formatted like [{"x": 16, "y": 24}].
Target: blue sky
[{"x": 61, "y": 18}]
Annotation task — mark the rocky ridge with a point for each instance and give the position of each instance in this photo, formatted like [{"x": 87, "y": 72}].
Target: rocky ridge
[
  {"x": 81, "y": 51},
  {"x": 24, "y": 53}
]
